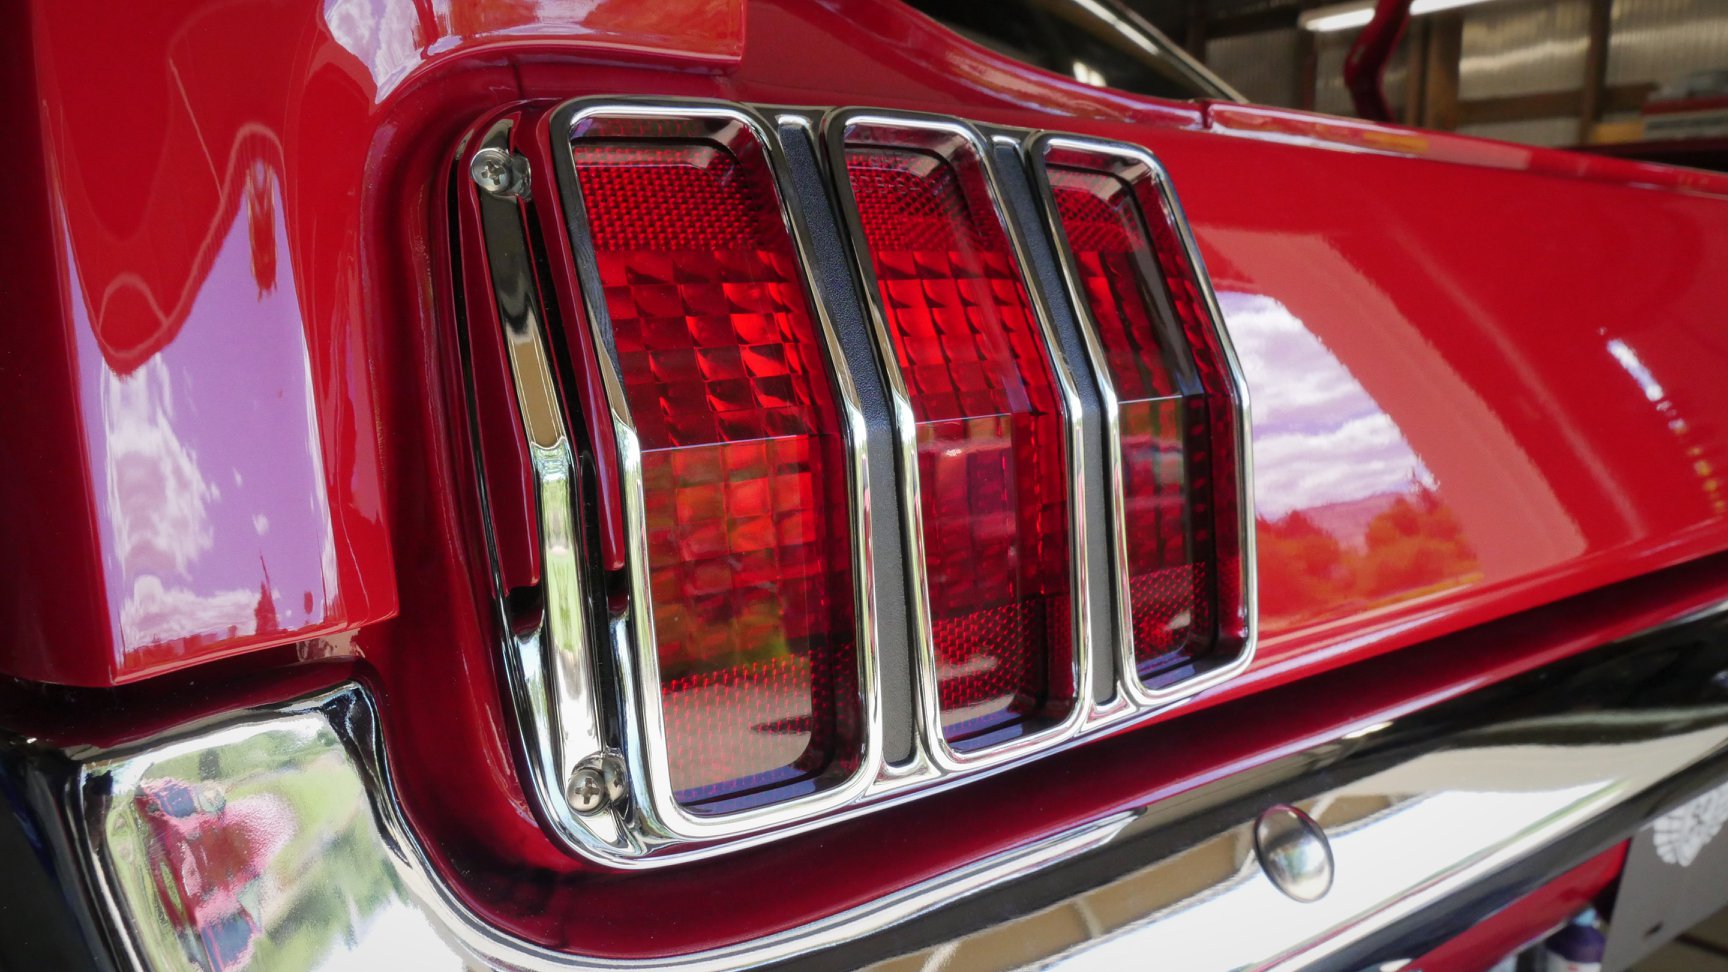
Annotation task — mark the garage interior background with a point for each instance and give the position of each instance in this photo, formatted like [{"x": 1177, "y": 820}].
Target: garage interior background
[{"x": 1541, "y": 72}]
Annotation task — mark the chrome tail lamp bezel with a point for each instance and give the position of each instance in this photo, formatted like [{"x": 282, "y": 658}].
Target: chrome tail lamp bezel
[
  {"x": 583, "y": 679},
  {"x": 929, "y": 132},
  {"x": 634, "y": 642},
  {"x": 1136, "y": 166}
]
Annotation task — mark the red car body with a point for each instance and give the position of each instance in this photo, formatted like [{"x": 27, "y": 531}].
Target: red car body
[{"x": 1490, "y": 427}]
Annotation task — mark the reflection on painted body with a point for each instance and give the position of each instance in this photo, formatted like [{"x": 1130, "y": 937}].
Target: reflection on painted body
[
  {"x": 213, "y": 494},
  {"x": 1348, "y": 515}
]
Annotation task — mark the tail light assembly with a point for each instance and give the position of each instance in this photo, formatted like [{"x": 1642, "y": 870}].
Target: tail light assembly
[{"x": 832, "y": 457}]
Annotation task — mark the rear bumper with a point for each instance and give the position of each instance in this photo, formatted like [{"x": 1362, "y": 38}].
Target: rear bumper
[{"x": 285, "y": 845}]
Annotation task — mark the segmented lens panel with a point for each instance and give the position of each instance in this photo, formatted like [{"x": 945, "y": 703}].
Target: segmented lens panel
[
  {"x": 1176, "y": 434},
  {"x": 990, "y": 449},
  {"x": 743, "y": 459}
]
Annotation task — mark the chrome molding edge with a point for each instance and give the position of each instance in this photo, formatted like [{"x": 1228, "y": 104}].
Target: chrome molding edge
[
  {"x": 1422, "y": 810},
  {"x": 319, "y": 764},
  {"x": 551, "y": 675},
  {"x": 584, "y": 685}
]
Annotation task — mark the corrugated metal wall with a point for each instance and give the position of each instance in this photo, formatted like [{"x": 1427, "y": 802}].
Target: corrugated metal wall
[
  {"x": 1509, "y": 48},
  {"x": 1397, "y": 75},
  {"x": 1262, "y": 65},
  {"x": 1661, "y": 40},
  {"x": 1523, "y": 48},
  {"x": 1330, "y": 95},
  {"x": 1519, "y": 49},
  {"x": 1533, "y": 131}
]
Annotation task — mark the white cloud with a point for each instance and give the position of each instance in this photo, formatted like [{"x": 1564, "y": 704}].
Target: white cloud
[
  {"x": 1319, "y": 438},
  {"x": 153, "y": 613},
  {"x": 158, "y": 498}
]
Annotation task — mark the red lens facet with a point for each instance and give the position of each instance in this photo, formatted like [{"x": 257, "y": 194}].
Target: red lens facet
[
  {"x": 1175, "y": 424},
  {"x": 991, "y": 453},
  {"x": 743, "y": 459}
]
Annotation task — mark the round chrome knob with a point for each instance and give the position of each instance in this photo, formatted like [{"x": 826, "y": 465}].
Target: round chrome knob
[{"x": 1294, "y": 852}]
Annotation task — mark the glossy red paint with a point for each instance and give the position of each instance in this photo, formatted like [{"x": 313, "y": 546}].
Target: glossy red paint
[
  {"x": 1529, "y": 918},
  {"x": 686, "y": 34},
  {"x": 202, "y": 473},
  {"x": 1485, "y": 379}
]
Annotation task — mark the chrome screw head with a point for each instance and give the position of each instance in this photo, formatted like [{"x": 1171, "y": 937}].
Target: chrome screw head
[
  {"x": 587, "y": 790},
  {"x": 597, "y": 783},
  {"x": 1294, "y": 852},
  {"x": 499, "y": 172}
]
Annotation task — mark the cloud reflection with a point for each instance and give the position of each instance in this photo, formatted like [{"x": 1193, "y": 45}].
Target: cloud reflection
[
  {"x": 1319, "y": 439},
  {"x": 1348, "y": 516},
  {"x": 213, "y": 488},
  {"x": 155, "y": 614},
  {"x": 158, "y": 499}
]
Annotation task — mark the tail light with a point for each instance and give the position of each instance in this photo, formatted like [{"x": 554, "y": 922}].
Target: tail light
[
  {"x": 1172, "y": 408},
  {"x": 693, "y": 655},
  {"x": 982, "y": 425},
  {"x": 743, "y": 577}
]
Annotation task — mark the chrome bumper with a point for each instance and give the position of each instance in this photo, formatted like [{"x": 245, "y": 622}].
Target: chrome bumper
[{"x": 1435, "y": 818}]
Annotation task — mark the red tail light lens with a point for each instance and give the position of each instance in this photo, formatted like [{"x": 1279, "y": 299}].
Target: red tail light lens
[
  {"x": 990, "y": 450},
  {"x": 743, "y": 462},
  {"x": 1176, "y": 432}
]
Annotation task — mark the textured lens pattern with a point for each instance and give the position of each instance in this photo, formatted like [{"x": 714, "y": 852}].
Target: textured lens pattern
[
  {"x": 991, "y": 454},
  {"x": 1166, "y": 436},
  {"x": 743, "y": 462},
  {"x": 1213, "y": 495}
]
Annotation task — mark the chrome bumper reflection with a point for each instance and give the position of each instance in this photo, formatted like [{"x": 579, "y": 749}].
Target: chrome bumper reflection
[{"x": 273, "y": 840}]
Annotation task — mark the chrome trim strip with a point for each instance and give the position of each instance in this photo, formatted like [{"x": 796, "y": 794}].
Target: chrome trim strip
[
  {"x": 656, "y": 807},
  {"x": 273, "y": 759},
  {"x": 934, "y": 746},
  {"x": 1421, "y": 808},
  {"x": 1401, "y": 853},
  {"x": 551, "y": 672},
  {"x": 1134, "y": 164}
]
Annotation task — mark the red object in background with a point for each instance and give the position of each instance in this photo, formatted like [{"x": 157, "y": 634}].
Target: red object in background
[
  {"x": 742, "y": 453},
  {"x": 215, "y": 851},
  {"x": 1484, "y": 376},
  {"x": 1365, "y": 64},
  {"x": 1176, "y": 422},
  {"x": 992, "y": 459},
  {"x": 1525, "y": 920},
  {"x": 192, "y": 468}
]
